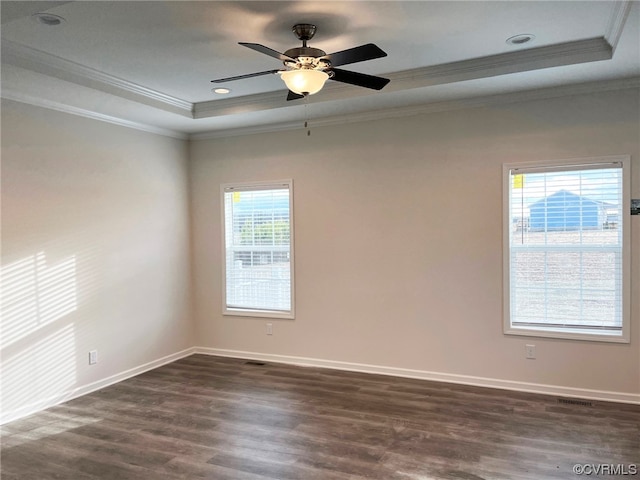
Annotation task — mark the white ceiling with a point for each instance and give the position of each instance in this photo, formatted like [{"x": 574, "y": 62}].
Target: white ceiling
[{"x": 148, "y": 64}]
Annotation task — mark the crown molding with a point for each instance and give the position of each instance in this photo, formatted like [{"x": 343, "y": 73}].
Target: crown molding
[
  {"x": 81, "y": 112},
  {"x": 568, "y": 53},
  {"x": 254, "y": 130},
  {"x": 45, "y": 63},
  {"x": 486, "y": 101},
  {"x": 381, "y": 114},
  {"x": 619, "y": 14},
  {"x": 434, "y": 107},
  {"x": 246, "y": 103}
]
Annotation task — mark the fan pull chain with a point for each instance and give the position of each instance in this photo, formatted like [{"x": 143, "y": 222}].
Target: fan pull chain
[{"x": 306, "y": 115}]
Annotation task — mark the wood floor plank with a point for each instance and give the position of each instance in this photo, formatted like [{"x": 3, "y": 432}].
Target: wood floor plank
[{"x": 206, "y": 417}]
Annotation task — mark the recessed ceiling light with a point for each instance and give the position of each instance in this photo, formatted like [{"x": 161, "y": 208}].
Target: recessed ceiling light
[
  {"x": 520, "y": 39},
  {"x": 48, "y": 19},
  {"x": 221, "y": 91}
]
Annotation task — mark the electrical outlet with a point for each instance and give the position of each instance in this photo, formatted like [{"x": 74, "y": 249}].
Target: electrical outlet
[
  {"x": 530, "y": 351},
  {"x": 93, "y": 357},
  {"x": 269, "y": 328}
]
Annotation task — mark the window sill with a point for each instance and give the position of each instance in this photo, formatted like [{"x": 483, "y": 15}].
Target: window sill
[
  {"x": 609, "y": 336},
  {"x": 242, "y": 312}
]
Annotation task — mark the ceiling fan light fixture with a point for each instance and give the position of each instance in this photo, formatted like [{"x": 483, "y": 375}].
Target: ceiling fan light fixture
[
  {"x": 304, "y": 81},
  {"x": 306, "y": 69}
]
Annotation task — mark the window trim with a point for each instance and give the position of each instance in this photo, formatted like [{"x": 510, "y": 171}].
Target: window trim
[
  {"x": 558, "y": 332},
  {"x": 247, "y": 312}
]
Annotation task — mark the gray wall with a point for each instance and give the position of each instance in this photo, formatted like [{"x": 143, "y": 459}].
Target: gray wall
[
  {"x": 95, "y": 253},
  {"x": 398, "y": 247},
  {"x": 108, "y": 244}
]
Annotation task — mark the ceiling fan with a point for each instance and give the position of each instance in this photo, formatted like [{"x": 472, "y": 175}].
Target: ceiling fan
[{"x": 307, "y": 69}]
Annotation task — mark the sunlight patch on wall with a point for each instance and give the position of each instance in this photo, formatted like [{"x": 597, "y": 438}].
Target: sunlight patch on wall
[
  {"x": 35, "y": 294},
  {"x": 43, "y": 370}
]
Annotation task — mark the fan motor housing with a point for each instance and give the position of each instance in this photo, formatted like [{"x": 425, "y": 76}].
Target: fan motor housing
[{"x": 304, "y": 52}]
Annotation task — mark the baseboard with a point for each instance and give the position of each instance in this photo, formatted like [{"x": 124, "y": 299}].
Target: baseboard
[
  {"x": 600, "y": 395},
  {"x": 35, "y": 407},
  {"x": 555, "y": 390}
]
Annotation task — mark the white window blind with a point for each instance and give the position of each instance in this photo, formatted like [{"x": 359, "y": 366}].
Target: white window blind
[
  {"x": 258, "y": 253},
  {"x": 566, "y": 249}
]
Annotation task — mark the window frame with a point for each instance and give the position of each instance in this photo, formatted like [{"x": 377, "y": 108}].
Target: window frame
[
  {"x": 256, "y": 312},
  {"x": 559, "y": 332}
]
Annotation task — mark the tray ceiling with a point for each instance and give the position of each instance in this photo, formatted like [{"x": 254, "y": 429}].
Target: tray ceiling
[{"x": 149, "y": 64}]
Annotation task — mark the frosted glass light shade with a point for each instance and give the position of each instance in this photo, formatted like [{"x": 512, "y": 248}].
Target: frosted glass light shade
[{"x": 304, "y": 81}]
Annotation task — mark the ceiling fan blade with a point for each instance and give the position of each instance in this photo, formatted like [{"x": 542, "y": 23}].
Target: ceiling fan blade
[
  {"x": 355, "y": 54},
  {"x": 293, "y": 96},
  {"x": 267, "y": 51},
  {"x": 359, "y": 79},
  {"x": 240, "y": 77}
]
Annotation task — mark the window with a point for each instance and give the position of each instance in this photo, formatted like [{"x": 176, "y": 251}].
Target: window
[
  {"x": 258, "y": 253},
  {"x": 566, "y": 256}
]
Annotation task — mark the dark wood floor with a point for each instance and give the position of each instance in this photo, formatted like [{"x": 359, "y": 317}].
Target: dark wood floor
[{"x": 218, "y": 418}]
